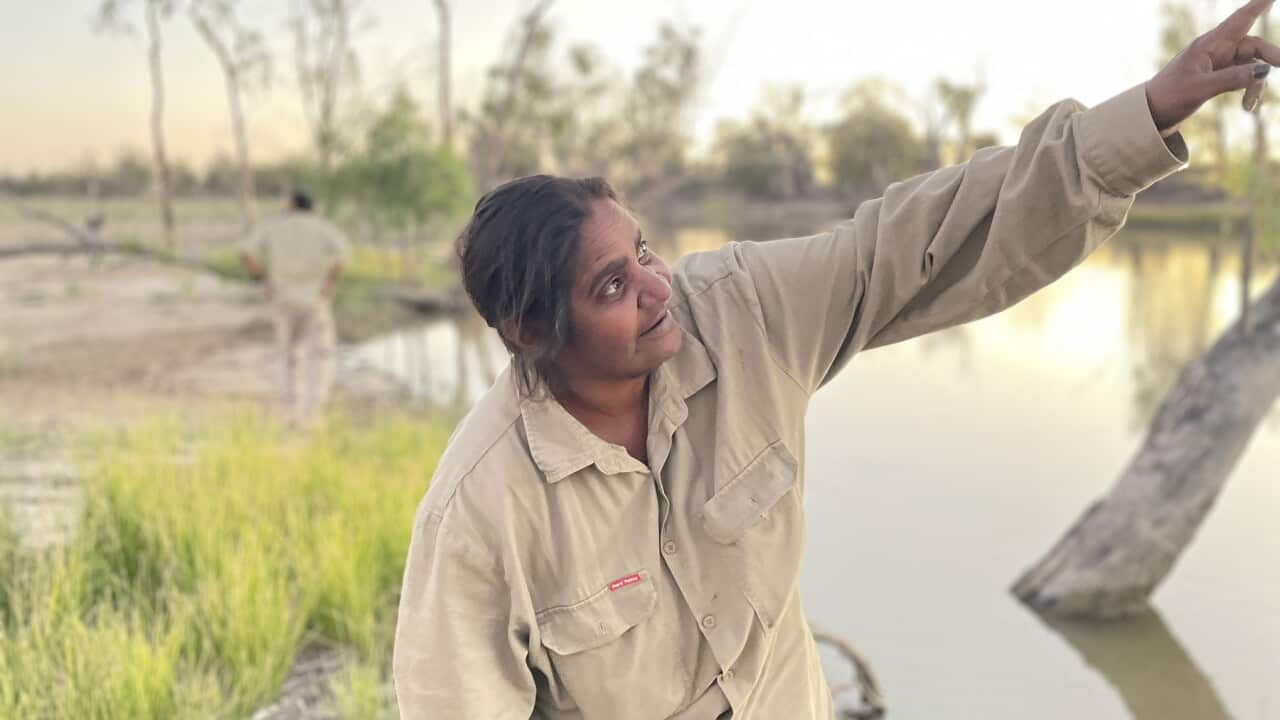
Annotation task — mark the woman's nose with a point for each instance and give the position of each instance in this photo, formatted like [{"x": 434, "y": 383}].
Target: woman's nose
[{"x": 656, "y": 288}]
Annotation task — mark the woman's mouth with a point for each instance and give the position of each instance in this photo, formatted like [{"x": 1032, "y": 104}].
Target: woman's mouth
[{"x": 658, "y": 324}]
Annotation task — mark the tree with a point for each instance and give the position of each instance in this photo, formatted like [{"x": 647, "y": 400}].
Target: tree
[
  {"x": 873, "y": 144},
  {"x": 590, "y": 120},
  {"x": 959, "y": 101},
  {"x": 659, "y": 107},
  {"x": 507, "y": 128},
  {"x": 242, "y": 54},
  {"x": 1208, "y": 128},
  {"x": 111, "y": 17},
  {"x": 445, "y": 70},
  {"x": 1262, "y": 194},
  {"x": 130, "y": 175},
  {"x": 585, "y": 128},
  {"x": 326, "y": 66},
  {"x": 771, "y": 154},
  {"x": 401, "y": 183}
]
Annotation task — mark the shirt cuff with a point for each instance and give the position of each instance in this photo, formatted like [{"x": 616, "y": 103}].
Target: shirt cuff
[{"x": 1121, "y": 143}]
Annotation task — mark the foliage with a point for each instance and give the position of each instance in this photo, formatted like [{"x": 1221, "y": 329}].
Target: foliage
[
  {"x": 770, "y": 155},
  {"x": 398, "y": 179},
  {"x": 873, "y": 143},
  {"x": 590, "y": 120}
]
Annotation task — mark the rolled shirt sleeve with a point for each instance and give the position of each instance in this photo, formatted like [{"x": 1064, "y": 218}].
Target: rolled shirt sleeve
[
  {"x": 962, "y": 242},
  {"x": 458, "y": 653}
]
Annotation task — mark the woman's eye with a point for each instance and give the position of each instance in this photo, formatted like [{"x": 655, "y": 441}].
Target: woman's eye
[
  {"x": 643, "y": 253},
  {"x": 613, "y": 287}
]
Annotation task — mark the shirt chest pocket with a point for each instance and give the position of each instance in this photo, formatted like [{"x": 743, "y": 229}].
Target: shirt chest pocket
[
  {"x": 612, "y": 645},
  {"x": 760, "y": 517},
  {"x": 749, "y": 498}
]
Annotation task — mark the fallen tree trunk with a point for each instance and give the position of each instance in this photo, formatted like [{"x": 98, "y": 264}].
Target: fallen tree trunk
[
  {"x": 1123, "y": 546},
  {"x": 84, "y": 248}
]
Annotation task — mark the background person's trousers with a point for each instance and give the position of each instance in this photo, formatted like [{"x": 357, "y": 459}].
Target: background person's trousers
[{"x": 307, "y": 347}]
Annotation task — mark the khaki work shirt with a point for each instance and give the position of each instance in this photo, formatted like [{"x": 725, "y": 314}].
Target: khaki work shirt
[
  {"x": 299, "y": 250},
  {"x": 552, "y": 575}
]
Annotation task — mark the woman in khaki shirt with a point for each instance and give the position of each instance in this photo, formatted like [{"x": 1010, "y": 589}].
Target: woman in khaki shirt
[{"x": 616, "y": 529}]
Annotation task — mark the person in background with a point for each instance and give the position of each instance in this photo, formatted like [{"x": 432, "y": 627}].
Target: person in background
[{"x": 298, "y": 256}]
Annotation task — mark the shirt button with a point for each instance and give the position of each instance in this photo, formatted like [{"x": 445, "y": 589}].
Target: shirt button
[
  {"x": 708, "y": 621},
  {"x": 727, "y": 675},
  {"x": 669, "y": 547}
]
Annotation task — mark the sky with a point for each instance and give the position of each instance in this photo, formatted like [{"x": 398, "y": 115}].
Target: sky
[{"x": 72, "y": 95}]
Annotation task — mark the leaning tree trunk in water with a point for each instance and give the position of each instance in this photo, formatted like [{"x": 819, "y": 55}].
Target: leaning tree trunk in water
[{"x": 1125, "y": 544}]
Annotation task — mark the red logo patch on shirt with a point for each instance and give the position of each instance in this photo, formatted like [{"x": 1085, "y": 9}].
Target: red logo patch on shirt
[{"x": 622, "y": 582}]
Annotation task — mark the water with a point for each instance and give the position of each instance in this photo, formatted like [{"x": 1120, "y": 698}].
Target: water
[{"x": 940, "y": 468}]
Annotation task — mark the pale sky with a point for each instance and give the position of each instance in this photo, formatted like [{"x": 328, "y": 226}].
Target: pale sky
[{"x": 69, "y": 94}]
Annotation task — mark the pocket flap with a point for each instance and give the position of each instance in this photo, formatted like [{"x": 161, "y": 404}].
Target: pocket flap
[
  {"x": 739, "y": 504},
  {"x": 601, "y": 618}
]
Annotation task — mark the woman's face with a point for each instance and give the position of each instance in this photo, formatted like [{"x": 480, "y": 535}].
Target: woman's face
[{"x": 620, "y": 325}]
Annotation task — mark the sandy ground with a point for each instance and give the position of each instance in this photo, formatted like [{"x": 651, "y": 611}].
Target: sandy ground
[{"x": 126, "y": 336}]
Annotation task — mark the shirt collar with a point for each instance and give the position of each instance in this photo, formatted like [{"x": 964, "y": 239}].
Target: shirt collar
[{"x": 561, "y": 445}]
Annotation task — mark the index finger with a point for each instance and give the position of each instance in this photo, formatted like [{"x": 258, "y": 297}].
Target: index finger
[{"x": 1237, "y": 26}]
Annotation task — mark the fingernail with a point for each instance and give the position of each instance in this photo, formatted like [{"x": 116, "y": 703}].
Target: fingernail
[{"x": 1260, "y": 70}]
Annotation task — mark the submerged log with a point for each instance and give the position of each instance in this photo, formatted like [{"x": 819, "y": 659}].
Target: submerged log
[
  {"x": 1125, "y": 544},
  {"x": 428, "y": 302},
  {"x": 869, "y": 703}
]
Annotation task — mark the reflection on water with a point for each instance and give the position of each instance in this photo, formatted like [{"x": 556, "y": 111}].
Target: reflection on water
[
  {"x": 940, "y": 468},
  {"x": 448, "y": 362},
  {"x": 1148, "y": 667}
]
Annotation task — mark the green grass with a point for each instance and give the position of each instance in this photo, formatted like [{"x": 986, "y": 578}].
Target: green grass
[
  {"x": 368, "y": 268},
  {"x": 209, "y": 553}
]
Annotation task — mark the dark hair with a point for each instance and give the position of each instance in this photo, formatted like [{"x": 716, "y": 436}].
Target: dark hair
[
  {"x": 300, "y": 200},
  {"x": 518, "y": 254}
]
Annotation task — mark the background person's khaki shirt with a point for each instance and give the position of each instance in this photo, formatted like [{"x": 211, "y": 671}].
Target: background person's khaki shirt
[
  {"x": 298, "y": 249},
  {"x": 551, "y": 575}
]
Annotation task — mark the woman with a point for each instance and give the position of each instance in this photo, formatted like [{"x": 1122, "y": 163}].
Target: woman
[{"x": 616, "y": 529}]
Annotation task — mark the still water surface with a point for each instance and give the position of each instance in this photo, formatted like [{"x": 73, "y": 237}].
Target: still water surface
[{"x": 940, "y": 468}]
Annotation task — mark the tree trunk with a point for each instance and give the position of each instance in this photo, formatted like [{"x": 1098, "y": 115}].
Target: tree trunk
[
  {"x": 496, "y": 154},
  {"x": 231, "y": 74},
  {"x": 332, "y": 81},
  {"x": 1125, "y": 544},
  {"x": 99, "y": 248},
  {"x": 446, "y": 108},
  {"x": 246, "y": 194},
  {"x": 157, "y": 124},
  {"x": 1261, "y": 187}
]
